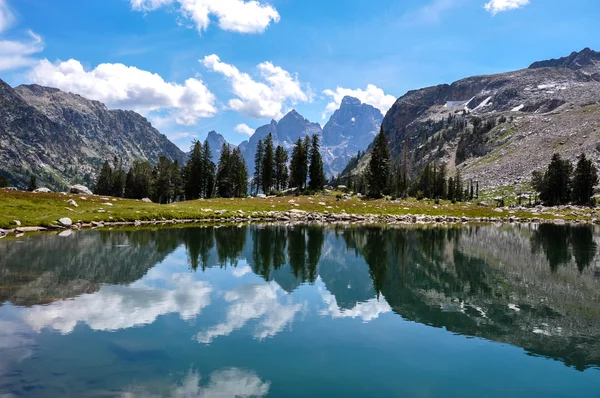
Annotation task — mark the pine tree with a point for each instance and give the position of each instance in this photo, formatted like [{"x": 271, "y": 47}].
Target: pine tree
[
  {"x": 118, "y": 178},
  {"x": 316, "y": 173},
  {"x": 104, "y": 183},
  {"x": 281, "y": 169},
  {"x": 32, "y": 183},
  {"x": 379, "y": 166},
  {"x": 555, "y": 187},
  {"x": 238, "y": 174},
  {"x": 298, "y": 167},
  {"x": 268, "y": 166},
  {"x": 451, "y": 189},
  {"x": 440, "y": 184},
  {"x": 458, "y": 187},
  {"x": 193, "y": 173},
  {"x": 208, "y": 172},
  {"x": 162, "y": 191},
  {"x": 3, "y": 181},
  {"x": 584, "y": 180},
  {"x": 224, "y": 183},
  {"x": 177, "y": 181},
  {"x": 258, "y": 162},
  {"x": 139, "y": 181}
]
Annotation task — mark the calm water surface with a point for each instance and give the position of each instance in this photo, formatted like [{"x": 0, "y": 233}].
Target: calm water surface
[{"x": 302, "y": 312}]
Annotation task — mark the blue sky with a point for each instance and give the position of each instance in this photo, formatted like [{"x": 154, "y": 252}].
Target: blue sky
[{"x": 192, "y": 66}]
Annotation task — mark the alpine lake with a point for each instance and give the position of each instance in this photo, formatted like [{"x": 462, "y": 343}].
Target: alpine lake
[{"x": 490, "y": 311}]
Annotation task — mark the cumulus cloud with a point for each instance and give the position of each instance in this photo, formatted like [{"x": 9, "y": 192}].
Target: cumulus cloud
[
  {"x": 260, "y": 99},
  {"x": 373, "y": 95},
  {"x": 496, "y": 6},
  {"x": 233, "y": 15},
  {"x": 231, "y": 382},
  {"x": 129, "y": 306},
  {"x": 367, "y": 311},
  {"x": 18, "y": 54},
  {"x": 244, "y": 129},
  {"x": 254, "y": 302},
  {"x": 128, "y": 87}
]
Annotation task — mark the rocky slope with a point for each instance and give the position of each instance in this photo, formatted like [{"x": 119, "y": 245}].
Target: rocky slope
[
  {"x": 523, "y": 117},
  {"x": 63, "y": 138},
  {"x": 349, "y": 130}
]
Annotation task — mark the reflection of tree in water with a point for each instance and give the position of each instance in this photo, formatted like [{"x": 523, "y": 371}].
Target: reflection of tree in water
[
  {"x": 562, "y": 243},
  {"x": 198, "y": 242},
  {"x": 230, "y": 244},
  {"x": 268, "y": 250},
  {"x": 304, "y": 251}
]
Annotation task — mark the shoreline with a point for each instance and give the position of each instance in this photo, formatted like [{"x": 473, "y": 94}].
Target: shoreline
[{"x": 300, "y": 217}]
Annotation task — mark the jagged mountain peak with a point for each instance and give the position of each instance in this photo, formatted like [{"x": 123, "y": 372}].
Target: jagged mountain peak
[
  {"x": 576, "y": 60},
  {"x": 348, "y": 101}
]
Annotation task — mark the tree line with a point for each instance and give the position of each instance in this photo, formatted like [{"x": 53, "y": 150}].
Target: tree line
[
  {"x": 167, "y": 181},
  {"x": 560, "y": 184},
  {"x": 305, "y": 171}
]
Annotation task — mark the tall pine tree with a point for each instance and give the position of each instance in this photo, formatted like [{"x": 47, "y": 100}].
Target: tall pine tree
[
  {"x": 298, "y": 167},
  {"x": 104, "y": 183},
  {"x": 281, "y": 168},
  {"x": 316, "y": 173},
  {"x": 379, "y": 166},
  {"x": 194, "y": 173},
  {"x": 268, "y": 166},
  {"x": 224, "y": 184},
  {"x": 258, "y": 162},
  {"x": 584, "y": 181}
]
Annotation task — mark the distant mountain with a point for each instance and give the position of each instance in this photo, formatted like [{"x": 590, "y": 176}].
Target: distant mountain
[
  {"x": 522, "y": 118},
  {"x": 349, "y": 130},
  {"x": 215, "y": 142},
  {"x": 63, "y": 138}
]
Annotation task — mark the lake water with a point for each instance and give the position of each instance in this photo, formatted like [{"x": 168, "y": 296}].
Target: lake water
[{"x": 257, "y": 311}]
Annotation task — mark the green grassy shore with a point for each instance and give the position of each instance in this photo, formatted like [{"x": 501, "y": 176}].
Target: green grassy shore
[{"x": 44, "y": 209}]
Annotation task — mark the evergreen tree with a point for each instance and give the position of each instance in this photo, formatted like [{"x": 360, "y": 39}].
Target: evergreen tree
[
  {"x": 584, "y": 180},
  {"x": 3, "y": 181},
  {"x": 281, "y": 169},
  {"x": 258, "y": 163},
  {"x": 32, "y": 183},
  {"x": 208, "y": 172},
  {"x": 268, "y": 166},
  {"x": 379, "y": 166},
  {"x": 139, "y": 181},
  {"x": 162, "y": 191},
  {"x": 118, "y": 178},
  {"x": 194, "y": 173},
  {"x": 224, "y": 184},
  {"x": 458, "y": 188},
  {"x": 238, "y": 174},
  {"x": 555, "y": 186},
  {"x": 104, "y": 183},
  {"x": 298, "y": 167},
  {"x": 440, "y": 184},
  {"x": 177, "y": 181},
  {"x": 316, "y": 173},
  {"x": 451, "y": 189}
]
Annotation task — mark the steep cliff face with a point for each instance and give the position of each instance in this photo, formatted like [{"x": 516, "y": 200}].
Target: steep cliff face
[
  {"x": 63, "y": 138},
  {"x": 554, "y": 106}
]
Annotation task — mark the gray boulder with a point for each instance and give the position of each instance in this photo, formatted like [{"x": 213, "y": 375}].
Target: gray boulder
[
  {"x": 80, "y": 190},
  {"x": 146, "y": 200},
  {"x": 42, "y": 190},
  {"x": 65, "y": 222}
]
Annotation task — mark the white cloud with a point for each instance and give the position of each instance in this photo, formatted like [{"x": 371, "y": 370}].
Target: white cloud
[
  {"x": 373, "y": 95},
  {"x": 496, "y": 6},
  {"x": 233, "y": 15},
  {"x": 222, "y": 384},
  {"x": 128, "y": 87},
  {"x": 367, "y": 311},
  {"x": 254, "y": 302},
  {"x": 17, "y": 54},
  {"x": 244, "y": 129},
  {"x": 180, "y": 135},
  {"x": 6, "y": 16},
  {"x": 129, "y": 306},
  {"x": 260, "y": 100}
]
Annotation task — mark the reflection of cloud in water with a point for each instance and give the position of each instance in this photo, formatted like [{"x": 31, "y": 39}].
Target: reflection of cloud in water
[
  {"x": 241, "y": 271},
  {"x": 121, "y": 307},
  {"x": 254, "y": 302},
  {"x": 15, "y": 344},
  {"x": 228, "y": 383},
  {"x": 367, "y": 311}
]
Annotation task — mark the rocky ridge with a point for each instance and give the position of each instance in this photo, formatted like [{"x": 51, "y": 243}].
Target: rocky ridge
[
  {"x": 63, "y": 138},
  {"x": 553, "y": 106}
]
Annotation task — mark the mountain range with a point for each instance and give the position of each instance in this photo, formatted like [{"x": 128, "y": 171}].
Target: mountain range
[{"x": 497, "y": 129}]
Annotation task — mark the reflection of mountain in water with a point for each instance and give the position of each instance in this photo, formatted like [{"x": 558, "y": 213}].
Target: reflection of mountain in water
[
  {"x": 530, "y": 286},
  {"x": 46, "y": 268}
]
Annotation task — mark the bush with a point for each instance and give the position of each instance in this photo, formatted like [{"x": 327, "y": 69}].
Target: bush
[{"x": 420, "y": 195}]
